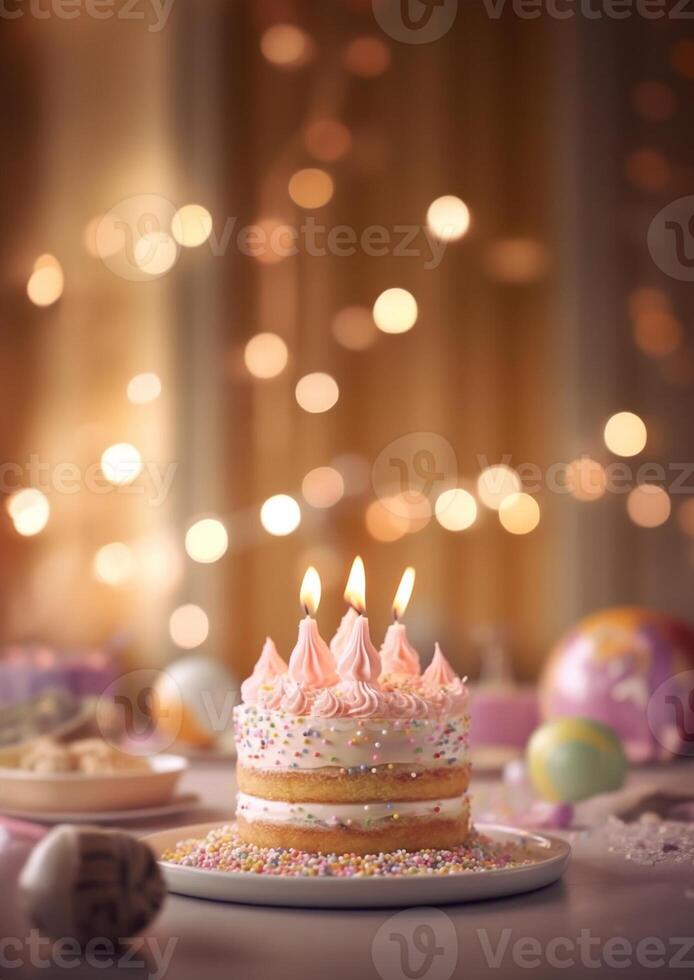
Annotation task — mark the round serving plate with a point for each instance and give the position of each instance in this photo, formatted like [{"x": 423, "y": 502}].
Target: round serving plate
[{"x": 549, "y": 856}]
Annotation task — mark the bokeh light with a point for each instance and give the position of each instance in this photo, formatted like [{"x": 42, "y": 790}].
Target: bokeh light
[
  {"x": 286, "y": 46},
  {"x": 648, "y": 505},
  {"x": 114, "y": 564},
  {"x": 144, "y": 388},
  {"x": 323, "y": 487},
  {"x": 657, "y": 333},
  {"x": 685, "y": 517},
  {"x": 46, "y": 282},
  {"x": 648, "y": 170},
  {"x": 189, "y": 626},
  {"x": 155, "y": 253},
  {"x": 29, "y": 510},
  {"x": 383, "y": 524},
  {"x": 653, "y": 100},
  {"x": 647, "y": 299},
  {"x": 191, "y": 225},
  {"x": 159, "y": 561},
  {"x": 206, "y": 540},
  {"x": 280, "y": 515},
  {"x": 121, "y": 463},
  {"x": 682, "y": 58},
  {"x": 586, "y": 479},
  {"x": 366, "y": 56},
  {"x": 353, "y": 328},
  {"x": 456, "y": 509},
  {"x": 311, "y": 187},
  {"x": 519, "y": 513},
  {"x": 625, "y": 434},
  {"x": 327, "y": 139},
  {"x": 496, "y": 483},
  {"x": 266, "y": 355},
  {"x": 413, "y": 507},
  {"x": 448, "y": 218},
  {"x": 317, "y": 392},
  {"x": 395, "y": 311},
  {"x": 275, "y": 241},
  {"x": 517, "y": 260}
]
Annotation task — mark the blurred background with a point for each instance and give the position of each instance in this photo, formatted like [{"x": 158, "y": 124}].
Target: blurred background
[{"x": 287, "y": 282}]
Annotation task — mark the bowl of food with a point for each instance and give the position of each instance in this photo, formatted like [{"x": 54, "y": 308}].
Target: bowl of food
[{"x": 84, "y": 776}]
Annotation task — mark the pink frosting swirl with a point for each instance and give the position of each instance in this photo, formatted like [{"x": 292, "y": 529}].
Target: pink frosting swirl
[
  {"x": 439, "y": 671},
  {"x": 360, "y": 660},
  {"x": 311, "y": 663},
  {"x": 362, "y": 699},
  {"x": 343, "y": 632},
  {"x": 268, "y": 668},
  {"x": 295, "y": 700},
  {"x": 406, "y": 704},
  {"x": 398, "y": 656},
  {"x": 327, "y": 705}
]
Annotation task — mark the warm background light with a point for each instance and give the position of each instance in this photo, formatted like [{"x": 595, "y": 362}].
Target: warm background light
[
  {"x": 144, "y": 388},
  {"x": 384, "y": 525},
  {"x": 395, "y": 311},
  {"x": 648, "y": 505},
  {"x": 311, "y": 187},
  {"x": 353, "y": 328},
  {"x": 29, "y": 510},
  {"x": 448, "y": 218},
  {"x": 519, "y": 513},
  {"x": 496, "y": 483},
  {"x": 323, "y": 487},
  {"x": 286, "y": 46},
  {"x": 206, "y": 540},
  {"x": 625, "y": 434},
  {"x": 114, "y": 564},
  {"x": 456, "y": 510},
  {"x": 121, "y": 463},
  {"x": 317, "y": 392},
  {"x": 327, "y": 139},
  {"x": 191, "y": 225},
  {"x": 46, "y": 283},
  {"x": 586, "y": 479},
  {"x": 266, "y": 355},
  {"x": 517, "y": 260},
  {"x": 280, "y": 515},
  {"x": 189, "y": 626},
  {"x": 657, "y": 333},
  {"x": 155, "y": 253},
  {"x": 366, "y": 56}
]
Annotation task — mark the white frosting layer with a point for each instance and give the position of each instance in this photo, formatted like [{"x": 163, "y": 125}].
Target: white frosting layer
[
  {"x": 280, "y": 742},
  {"x": 255, "y": 809}
]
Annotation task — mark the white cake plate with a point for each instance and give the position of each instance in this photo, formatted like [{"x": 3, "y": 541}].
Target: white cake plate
[{"x": 550, "y": 856}]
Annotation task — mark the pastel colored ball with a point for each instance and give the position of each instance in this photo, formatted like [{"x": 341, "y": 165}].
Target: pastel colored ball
[
  {"x": 609, "y": 666},
  {"x": 193, "y": 702},
  {"x": 571, "y": 759}
]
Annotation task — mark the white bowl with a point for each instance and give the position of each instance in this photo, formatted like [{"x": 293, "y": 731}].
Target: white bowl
[{"x": 40, "y": 792}]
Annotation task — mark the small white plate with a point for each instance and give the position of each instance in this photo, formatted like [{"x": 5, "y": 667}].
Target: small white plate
[
  {"x": 180, "y": 804},
  {"x": 550, "y": 857}
]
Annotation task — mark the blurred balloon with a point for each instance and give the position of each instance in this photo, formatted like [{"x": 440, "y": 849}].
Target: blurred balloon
[
  {"x": 571, "y": 759},
  {"x": 608, "y": 668},
  {"x": 194, "y": 701}
]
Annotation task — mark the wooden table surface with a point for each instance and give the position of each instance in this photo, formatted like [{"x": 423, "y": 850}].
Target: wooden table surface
[{"x": 606, "y": 916}]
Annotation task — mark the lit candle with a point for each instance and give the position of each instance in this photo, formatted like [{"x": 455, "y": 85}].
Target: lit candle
[
  {"x": 344, "y": 630},
  {"x": 311, "y": 664},
  {"x": 397, "y": 653},
  {"x": 359, "y": 661}
]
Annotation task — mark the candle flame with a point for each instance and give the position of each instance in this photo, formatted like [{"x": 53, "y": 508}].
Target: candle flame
[
  {"x": 404, "y": 592},
  {"x": 310, "y": 591},
  {"x": 355, "y": 591}
]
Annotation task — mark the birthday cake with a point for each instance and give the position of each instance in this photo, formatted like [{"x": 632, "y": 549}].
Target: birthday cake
[{"x": 349, "y": 750}]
